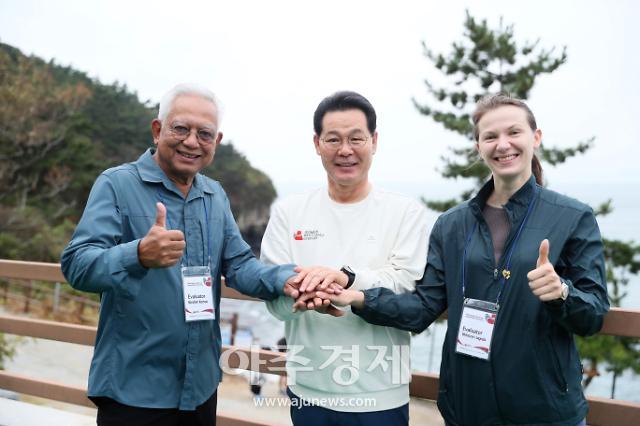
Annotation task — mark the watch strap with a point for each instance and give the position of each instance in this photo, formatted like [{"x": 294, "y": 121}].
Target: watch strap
[{"x": 351, "y": 276}]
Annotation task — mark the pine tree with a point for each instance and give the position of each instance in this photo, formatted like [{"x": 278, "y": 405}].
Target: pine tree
[{"x": 489, "y": 60}]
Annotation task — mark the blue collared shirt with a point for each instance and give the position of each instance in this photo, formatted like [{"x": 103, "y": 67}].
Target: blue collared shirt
[{"x": 146, "y": 355}]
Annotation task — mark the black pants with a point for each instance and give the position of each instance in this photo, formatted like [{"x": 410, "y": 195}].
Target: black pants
[
  {"x": 313, "y": 415},
  {"x": 112, "y": 413}
]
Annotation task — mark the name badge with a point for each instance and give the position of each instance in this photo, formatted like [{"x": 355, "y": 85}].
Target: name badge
[
  {"x": 476, "y": 328},
  {"x": 198, "y": 294}
]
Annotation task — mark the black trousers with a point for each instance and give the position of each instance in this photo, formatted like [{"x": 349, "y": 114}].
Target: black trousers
[{"x": 113, "y": 413}]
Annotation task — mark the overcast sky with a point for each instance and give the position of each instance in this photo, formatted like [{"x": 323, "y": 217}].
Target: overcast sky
[{"x": 271, "y": 62}]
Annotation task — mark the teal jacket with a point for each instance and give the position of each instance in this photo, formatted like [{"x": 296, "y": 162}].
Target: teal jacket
[
  {"x": 534, "y": 373},
  {"x": 145, "y": 354}
]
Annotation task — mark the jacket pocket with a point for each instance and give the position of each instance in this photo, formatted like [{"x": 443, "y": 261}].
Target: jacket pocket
[
  {"x": 559, "y": 375},
  {"x": 445, "y": 396},
  {"x": 557, "y": 386}
]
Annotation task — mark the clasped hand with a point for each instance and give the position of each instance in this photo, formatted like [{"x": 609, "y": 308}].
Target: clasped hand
[{"x": 313, "y": 288}]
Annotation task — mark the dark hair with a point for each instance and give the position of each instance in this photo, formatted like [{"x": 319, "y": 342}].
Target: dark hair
[
  {"x": 491, "y": 102},
  {"x": 342, "y": 101}
]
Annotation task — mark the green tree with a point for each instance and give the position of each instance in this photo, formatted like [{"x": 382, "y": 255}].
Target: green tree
[
  {"x": 489, "y": 60},
  {"x": 38, "y": 117},
  {"x": 59, "y": 129},
  {"x": 250, "y": 191}
]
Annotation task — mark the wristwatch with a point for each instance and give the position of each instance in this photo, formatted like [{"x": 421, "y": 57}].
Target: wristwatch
[
  {"x": 564, "y": 292},
  {"x": 350, "y": 275}
]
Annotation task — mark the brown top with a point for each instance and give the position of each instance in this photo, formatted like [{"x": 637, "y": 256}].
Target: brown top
[{"x": 498, "y": 222}]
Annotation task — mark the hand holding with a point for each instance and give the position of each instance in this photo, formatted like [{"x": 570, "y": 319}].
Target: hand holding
[
  {"x": 310, "y": 300},
  {"x": 320, "y": 277},
  {"x": 544, "y": 281},
  {"x": 161, "y": 247},
  {"x": 354, "y": 298},
  {"x": 291, "y": 288}
]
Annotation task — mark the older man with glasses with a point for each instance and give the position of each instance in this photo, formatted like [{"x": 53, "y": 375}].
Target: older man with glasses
[
  {"x": 154, "y": 240},
  {"x": 342, "y": 370}
]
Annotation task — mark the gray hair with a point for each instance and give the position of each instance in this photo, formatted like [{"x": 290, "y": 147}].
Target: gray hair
[{"x": 187, "y": 89}]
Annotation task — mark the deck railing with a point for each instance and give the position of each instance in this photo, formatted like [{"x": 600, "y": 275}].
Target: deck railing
[{"x": 602, "y": 411}]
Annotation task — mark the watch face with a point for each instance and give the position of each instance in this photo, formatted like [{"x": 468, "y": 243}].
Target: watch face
[{"x": 565, "y": 291}]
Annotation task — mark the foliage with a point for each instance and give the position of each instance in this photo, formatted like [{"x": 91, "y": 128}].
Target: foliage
[
  {"x": 618, "y": 353},
  {"x": 248, "y": 188},
  {"x": 7, "y": 350},
  {"x": 487, "y": 61},
  {"x": 250, "y": 191},
  {"x": 58, "y": 130},
  {"x": 38, "y": 117}
]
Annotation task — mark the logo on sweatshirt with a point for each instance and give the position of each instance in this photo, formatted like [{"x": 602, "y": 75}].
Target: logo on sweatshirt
[{"x": 307, "y": 235}]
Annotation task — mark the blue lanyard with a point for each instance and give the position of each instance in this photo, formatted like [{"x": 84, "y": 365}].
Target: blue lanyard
[
  {"x": 206, "y": 218},
  {"x": 506, "y": 272}
]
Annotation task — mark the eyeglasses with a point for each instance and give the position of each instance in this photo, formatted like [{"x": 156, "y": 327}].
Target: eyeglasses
[
  {"x": 335, "y": 142},
  {"x": 182, "y": 132}
]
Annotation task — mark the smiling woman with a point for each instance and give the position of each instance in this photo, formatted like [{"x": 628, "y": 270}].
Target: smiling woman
[{"x": 506, "y": 136}]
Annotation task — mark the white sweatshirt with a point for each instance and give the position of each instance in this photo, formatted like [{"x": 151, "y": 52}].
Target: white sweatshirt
[{"x": 383, "y": 238}]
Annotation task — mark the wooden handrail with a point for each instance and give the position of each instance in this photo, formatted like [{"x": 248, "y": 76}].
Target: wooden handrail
[
  {"x": 623, "y": 322},
  {"x": 31, "y": 270},
  {"x": 78, "y": 396},
  {"x": 51, "y": 272},
  {"x": 45, "y": 329},
  {"x": 603, "y": 411},
  {"x": 619, "y": 322},
  {"x": 45, "y": 389},
  {"x": 423, "y": 385}
]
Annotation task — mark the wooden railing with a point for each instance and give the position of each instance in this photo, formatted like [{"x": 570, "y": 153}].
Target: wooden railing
[{"x": 602, "y": 411}]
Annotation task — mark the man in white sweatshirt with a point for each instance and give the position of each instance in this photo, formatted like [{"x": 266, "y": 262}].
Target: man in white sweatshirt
[{"x": 342, "y": 370}]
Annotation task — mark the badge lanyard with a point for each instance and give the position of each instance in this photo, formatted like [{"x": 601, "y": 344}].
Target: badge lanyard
[
  {"x": 196, "y": 280},
  {"x": 479, "y": 316}
]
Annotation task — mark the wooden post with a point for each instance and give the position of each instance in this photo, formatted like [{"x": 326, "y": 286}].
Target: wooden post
[
  {"x": 80, "y": 308},
  {"x": 56, "y": 298},
  {"x": 234, "y": 327},
  {"x": 27, "y": 296},
  {"x": 5, "y": 290}
]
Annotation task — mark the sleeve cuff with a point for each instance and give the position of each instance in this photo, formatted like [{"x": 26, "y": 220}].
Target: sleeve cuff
[
  {"x": 286, "y": 272},
  {"x": 364, "y": 280},
  {"x": 281, "y": 308},
  {"x": 369, "y": 299},
  {"x": 129, "y": 259},
  {"x": 556, "y": 306}
]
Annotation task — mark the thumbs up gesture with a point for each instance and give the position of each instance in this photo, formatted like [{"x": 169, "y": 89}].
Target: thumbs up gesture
[
  {"x": 543, "y": 281},
  {"x": 161, "y": 247}
]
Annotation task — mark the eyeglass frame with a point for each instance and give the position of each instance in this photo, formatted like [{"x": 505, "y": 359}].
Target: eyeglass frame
[
  {"x": 182, "y": 137},
  {"x": 341, "y": 140}
]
